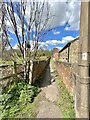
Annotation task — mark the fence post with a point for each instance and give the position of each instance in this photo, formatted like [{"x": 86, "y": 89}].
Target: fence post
[
  {"x": 31, "y": 72},
  {"x": 83, "y": 78}
]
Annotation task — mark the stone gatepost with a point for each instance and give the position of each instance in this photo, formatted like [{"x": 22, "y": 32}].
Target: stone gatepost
[{"x": 83, "y": 78}]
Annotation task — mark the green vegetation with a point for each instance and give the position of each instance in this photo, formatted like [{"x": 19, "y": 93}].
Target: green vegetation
[
  {"x": 46, "y": 53},
  {"x": 10, "y": 62},
  {"x": 66, "y": 102},
  {"x": 8, "y": 58},
  {"x": 42, "y": 54},
  {"x": 17, "y": 100},
  {"x": 4, "y": 62}
]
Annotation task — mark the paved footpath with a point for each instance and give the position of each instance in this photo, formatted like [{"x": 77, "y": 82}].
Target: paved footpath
[{"x": 47, "y": 107}]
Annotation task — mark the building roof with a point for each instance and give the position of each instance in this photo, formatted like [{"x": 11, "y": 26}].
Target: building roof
[{"x": 68, "y": 44}]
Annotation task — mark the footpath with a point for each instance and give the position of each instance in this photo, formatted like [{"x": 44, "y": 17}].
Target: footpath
[{"x": 47, "y": 107}]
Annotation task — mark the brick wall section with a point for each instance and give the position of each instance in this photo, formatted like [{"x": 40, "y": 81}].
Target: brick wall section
[
  {"x": 56, "y": 53},
  {"x": 38, "y": 68},
  {"x": 65, "y": 72}
]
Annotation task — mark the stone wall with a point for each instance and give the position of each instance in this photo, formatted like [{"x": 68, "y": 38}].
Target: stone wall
[
  {"x": 73, "y": 51},
  {"x": 64, "y": 55},
  {"x": 67, "y": 66},
  {"x": 8, "y": 72},
  {"x": 70, "y": 52}
]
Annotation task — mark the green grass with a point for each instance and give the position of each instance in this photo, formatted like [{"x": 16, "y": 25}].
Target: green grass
[
  {"x": 3, "y": 62},
  {"x": 17, "y": 100},
  {"x": 43, "y": 58},
  {"x": 19, "y": 60},
  {"x": 10, "y": 62},
  {"x": 66, "y": 102}
]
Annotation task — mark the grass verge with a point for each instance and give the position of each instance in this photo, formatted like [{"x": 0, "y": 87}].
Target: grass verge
[{"x": 66, "y": 102}]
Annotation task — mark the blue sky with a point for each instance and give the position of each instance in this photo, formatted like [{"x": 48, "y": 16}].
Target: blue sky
[
  {"x": 57, "y": 33},
  {"x": 66, "y": 25}
]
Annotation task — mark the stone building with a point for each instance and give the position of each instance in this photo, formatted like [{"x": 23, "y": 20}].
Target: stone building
[
  {"x": 70, "y": 52},
  {"x": 67, "y": 65}
]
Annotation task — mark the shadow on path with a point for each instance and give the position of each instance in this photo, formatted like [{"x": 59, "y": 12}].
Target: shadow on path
[
  {"x": 46, "y": 77},
  {"x": 47, "y": 106}
]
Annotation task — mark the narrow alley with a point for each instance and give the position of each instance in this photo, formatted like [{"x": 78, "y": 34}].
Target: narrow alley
[{"x": 47, "y": 107}]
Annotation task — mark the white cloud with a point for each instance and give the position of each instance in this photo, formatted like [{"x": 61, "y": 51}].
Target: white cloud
[
  {"x": 15, "y": 47},
  {"x": 58, "y": 9},
  {"x": 62, "y": 12},
  {"x": 53, "y": 42},
  {"x": 67, "y": 39},
  {"x": 66, "y": 12},
  {"x": 75, "y": 26},
  {"x": 7, "y": 47},
  {"x": 56, "y": 32},
  {"x": 74, "y": 15},
  {"x": 48, "y": 43},
  {"x": 45, "y": 45},
  {"x": 59, "y": 48}
]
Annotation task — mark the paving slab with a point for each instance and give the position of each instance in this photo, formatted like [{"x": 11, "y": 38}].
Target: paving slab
[
  {"x": 48, "y": 110},
  {"x": 51, "y": 92},
  {"x": 47, "y": 107}
]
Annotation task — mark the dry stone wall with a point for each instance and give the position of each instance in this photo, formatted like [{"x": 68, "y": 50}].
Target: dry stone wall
[
  {"x": 73, "y": 52},
  {"x": 64, "y": 55},
  {"x": 70, "y": 52},
  {"x": 9, "y": 72}
]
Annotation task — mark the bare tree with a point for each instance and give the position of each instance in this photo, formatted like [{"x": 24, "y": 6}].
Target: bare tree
[{"x": 32, "y": 18}]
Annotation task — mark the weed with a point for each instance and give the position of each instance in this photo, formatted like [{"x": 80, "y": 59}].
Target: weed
[
  {"x": 66, "y": 102},
  {"x": 17, "y": 100}
]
